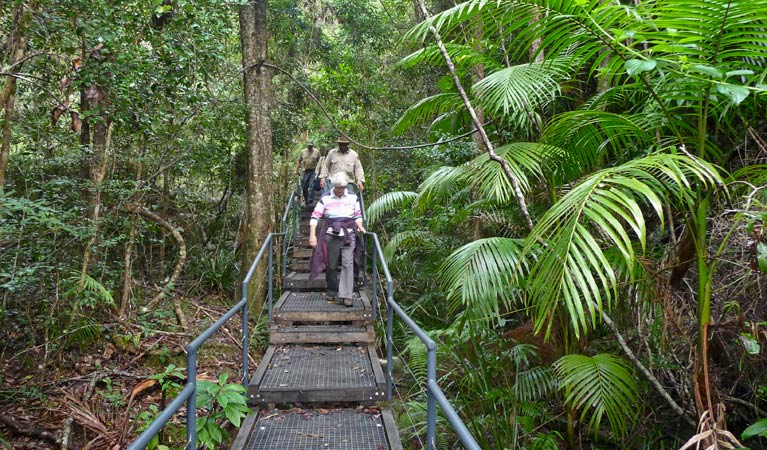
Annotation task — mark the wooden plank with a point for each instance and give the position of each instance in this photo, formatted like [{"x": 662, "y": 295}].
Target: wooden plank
[
  {"x": 334, "y": 335},
  {"x": 323, "y": 316},
  {"x": 377, "y": 371},
  {"x": 329, "y": 395},
  {"x": 390, "y": 427},
  {"x": 259, "y": 374},
  {"x": 244, "y": 433}
]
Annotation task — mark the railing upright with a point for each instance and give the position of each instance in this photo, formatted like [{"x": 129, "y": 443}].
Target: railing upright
[
  {"x": 289, "y": 210},
  {"x": 364, "y": 251},
  {"x": 434, "y": 394},
  {"x": 188, "y": 394}
]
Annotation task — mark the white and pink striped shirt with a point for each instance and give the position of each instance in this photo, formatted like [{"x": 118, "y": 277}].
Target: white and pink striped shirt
[{"x": 332, "y": 207}]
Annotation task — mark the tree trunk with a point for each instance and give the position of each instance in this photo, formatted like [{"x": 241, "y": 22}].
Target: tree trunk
[
  {"x": 257, "y": 92},
  {"x": 17, "y": 46}
]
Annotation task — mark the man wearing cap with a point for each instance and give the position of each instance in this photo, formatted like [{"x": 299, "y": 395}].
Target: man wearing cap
[
  {"x": 343, "y": 220},
  {"x": 308, "y": 162},
  {"x": 342, "y": 160}
]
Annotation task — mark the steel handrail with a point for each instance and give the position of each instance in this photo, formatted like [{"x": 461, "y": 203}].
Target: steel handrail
[
  {"x": 434, "y": 394},
  {"x": 290, "y": 206},
  {"x": 188, "y": 394}
]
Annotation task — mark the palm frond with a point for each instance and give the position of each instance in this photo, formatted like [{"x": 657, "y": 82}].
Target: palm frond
[
  {"x": 534, "y": 384},
  {"x": 600, "y": 385},
  {"x": 419, "y": 237},
  {"x": 591, "y": 138},
  {"x": 426, "y": 109},
  {"x": 480, "y": 275},
  {"x": 524, "y": 159},
  {"x": 462, "y": 55},
  {"x": 603, "y": 211},
  {"x": 442, "y": 184},
  {"x": 514, "y": 93},
  {"x": 387, "y": 203}
]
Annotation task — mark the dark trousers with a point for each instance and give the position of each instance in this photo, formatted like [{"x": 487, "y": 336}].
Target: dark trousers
[
  {"x": 307, "y": 186},
  {"x": 339, "y": 285}
]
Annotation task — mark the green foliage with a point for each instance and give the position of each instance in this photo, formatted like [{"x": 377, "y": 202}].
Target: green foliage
[
  {"x": 758, "y": 428},
  {"x": 145, "y": 418},
  {"x": 222, "y": 400},
  {"x": 573, "y": 269},
  {"x": 169, "y": 379},
  {"x": 216, "y": 271},
  {"x": 598, "y": 386}
]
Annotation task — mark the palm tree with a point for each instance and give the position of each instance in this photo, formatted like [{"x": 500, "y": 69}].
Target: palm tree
[{"x": 679, "y": 80}]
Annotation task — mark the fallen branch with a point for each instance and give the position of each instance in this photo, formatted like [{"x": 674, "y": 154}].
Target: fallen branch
[
  {"x": 179, "y": 264},
  {"x": 36, "y": 433}
]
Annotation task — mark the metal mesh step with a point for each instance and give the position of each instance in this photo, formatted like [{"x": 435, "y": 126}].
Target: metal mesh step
[{"x": 337, "y": 428}]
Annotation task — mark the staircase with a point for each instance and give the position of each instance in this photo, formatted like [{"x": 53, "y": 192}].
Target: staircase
[{"x": 320, "y": 381}]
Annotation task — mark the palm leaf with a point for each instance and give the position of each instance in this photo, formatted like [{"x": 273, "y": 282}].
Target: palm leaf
[
  {"x": 462, "y": 55},
  {"x": 426, "y": 109},
  {"x": 418, "y": 237},
  {"x": 534, "y": 384},
  {"x": 604, "y": 211},
  {"x": 387, "y": 203},
  {"x": 600, "y": 385},
  {"x": 479, "y": 275},
  {"x": 442, "y": 184},
  {"x": 514, "y": 93}
]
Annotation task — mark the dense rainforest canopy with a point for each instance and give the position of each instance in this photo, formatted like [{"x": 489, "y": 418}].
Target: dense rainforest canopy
[{"x": 582, "y": 233}]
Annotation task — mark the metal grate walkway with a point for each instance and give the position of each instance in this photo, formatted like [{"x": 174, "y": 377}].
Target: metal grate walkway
[
  {"x": 320, "y": 353},
  {"x": 342, "y": 429}
]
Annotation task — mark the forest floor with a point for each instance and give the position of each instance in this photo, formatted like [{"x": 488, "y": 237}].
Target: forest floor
[{"x": 96, "y": 387}]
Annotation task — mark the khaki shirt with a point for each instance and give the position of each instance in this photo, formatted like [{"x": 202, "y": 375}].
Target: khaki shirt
[
  {"x": 308, "y": 161},
  {"x": 348, "y": 162}
]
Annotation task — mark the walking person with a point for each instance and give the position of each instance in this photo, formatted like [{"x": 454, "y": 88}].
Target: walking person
[
  {"x": 307, "y": 161},
  {"x": 342, "y": 159},
  {"x": 338, "y": 239}
]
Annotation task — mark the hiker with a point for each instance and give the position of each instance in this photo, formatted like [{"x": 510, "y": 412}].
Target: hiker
[
  {"x": 308, "y": 162},
  {"x": 342, "y": 160}
]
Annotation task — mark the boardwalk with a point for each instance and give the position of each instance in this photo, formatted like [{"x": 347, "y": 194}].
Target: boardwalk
[{"x": 320, "y": 384}]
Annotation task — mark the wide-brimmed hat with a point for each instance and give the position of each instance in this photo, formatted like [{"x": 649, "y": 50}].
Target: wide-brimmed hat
[
  {"x": 342, "y": 139},
  {"x": 340, "y": 179}
]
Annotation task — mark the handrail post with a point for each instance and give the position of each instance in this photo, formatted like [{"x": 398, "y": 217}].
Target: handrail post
[
  {"x": 191, "y": 404},
  {"x": 431, "y": 402},
  {"x": 245, "y": 340},
  {"x": 284, "y": 255},
  {"x": 271, "y": 275},
  {"x": 364, "y": 251},
  {"x": 375, "y": 286},
  {"x": 389, "y": 344},
  {"x": 244, "y": 333}
]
